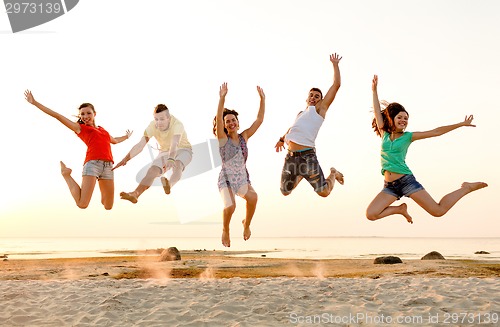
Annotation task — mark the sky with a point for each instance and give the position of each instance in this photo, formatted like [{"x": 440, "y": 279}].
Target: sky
[{"x": 437, "y": 58}]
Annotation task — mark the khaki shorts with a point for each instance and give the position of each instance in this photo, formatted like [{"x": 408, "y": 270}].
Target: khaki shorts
[{"x": 183, "y": 155}]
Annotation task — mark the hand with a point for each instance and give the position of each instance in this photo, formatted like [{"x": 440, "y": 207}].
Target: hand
[
  {"x": 223, "y": 90},
  {"x": 374, "y": 83},
  {"x": 121, "y": 163},
  {"x": 261, "y": 93},
  {"x": 279, "y": 146},
  {"x": 335, "y": 58},
  {"x": 129, "y": 133},
  {"x": 468, "y": 121},
  {"x": 169, "y": 164},
  {"x": 29, "y": 97}
]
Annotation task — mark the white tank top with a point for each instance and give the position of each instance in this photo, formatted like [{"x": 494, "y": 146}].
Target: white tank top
[{"x": 305, "y": 128}]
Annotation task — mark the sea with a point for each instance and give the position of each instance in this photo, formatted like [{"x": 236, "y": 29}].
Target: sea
[{"x": 272, "y": 247}]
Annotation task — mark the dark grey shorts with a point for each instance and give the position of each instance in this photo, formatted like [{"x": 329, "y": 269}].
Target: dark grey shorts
[{"x": 305, "y": 165}]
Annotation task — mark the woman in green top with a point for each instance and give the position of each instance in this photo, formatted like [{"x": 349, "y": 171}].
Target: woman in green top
[{"x": 390, "y": 125}]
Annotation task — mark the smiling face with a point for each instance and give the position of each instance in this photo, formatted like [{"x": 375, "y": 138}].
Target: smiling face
[
  {"x": 314, "y": 97},
  {"x": 401, "y": 121},
  {"x": 87, "y": 115},
  {"x": 231, "y": 123},
  {"x": 162, "y": 120}
]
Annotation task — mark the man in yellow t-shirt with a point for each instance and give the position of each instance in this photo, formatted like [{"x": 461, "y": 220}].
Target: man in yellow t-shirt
[{"x": 175, "y": 152}]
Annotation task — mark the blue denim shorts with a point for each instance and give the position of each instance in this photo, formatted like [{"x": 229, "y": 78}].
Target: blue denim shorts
[
  {"x": 403, "y": 186},
  {"x": 99, "y": 168},
  {"x": 305, "y": 165}
]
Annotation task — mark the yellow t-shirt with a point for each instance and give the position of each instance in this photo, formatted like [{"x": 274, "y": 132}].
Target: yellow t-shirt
[{"x": 164, "y": 138}]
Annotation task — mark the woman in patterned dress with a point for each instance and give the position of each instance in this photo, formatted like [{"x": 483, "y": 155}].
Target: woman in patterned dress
[{"x": 234, "y": 178}]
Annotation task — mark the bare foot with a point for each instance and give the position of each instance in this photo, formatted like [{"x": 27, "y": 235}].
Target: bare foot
[
  {"x": 404, "y": 211},
  {"x": 338, "y": 175},
  {"x": 128, "y": 196},
  {"x": 225, "y": 238},
  {"x": 246, "y": 230},
  {"x": 166, "y": 184},
  {"x": 471, "y": 187},
  {"x": 65, "y": 171}
]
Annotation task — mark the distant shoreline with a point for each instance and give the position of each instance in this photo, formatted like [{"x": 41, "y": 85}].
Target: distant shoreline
[
  {"x": 278, "y": 248},
  {"x": 274, "y": 254},
  {"x": 223, "y": 264}
]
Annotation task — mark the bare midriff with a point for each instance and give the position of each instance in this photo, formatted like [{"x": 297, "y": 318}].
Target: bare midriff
[
  {"x": 389, "y": 176},
  {"x": 292, "y": 146}
]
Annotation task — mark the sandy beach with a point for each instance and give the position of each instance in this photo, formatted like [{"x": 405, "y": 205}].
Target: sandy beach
[{"x": 213, "y": 288}]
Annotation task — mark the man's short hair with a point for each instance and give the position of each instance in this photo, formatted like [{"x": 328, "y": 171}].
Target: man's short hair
[
  {"x": 161, "y": 107},
  {"x": 317, "y": 90}
]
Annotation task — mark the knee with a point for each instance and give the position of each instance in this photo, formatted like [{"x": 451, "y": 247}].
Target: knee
[
  {"x": 154, "y": 171},
  {"x": 286, "y": 189},
  {"x": 325, "y": 191},
  {"x": 285, "y": 193},
  {"x": 82, "y": 205},
  {"x": 371, "y": 216},
  {"x": 438, "y": 213},
  {"x": 178, "y": 166},
  {"x": 230, "y": 209},
  {"x": 252, "y": 197}
]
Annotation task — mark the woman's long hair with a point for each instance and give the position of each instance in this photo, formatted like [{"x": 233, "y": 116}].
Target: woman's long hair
[{"x": 390, "y": 111}]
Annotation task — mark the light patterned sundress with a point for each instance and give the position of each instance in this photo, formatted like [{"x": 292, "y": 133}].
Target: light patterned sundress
[{"x": 234, "y": 173}]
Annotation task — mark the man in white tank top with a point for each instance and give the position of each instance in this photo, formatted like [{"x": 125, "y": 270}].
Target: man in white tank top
[{"x": 301, "y": 161}]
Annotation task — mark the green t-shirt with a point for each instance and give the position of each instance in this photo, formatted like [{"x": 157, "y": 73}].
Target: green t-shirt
[{"x": 393, "y": 153}]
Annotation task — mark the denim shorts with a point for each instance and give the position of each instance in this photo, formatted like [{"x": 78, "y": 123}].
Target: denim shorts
[
  {"x": 403, "y": 186},
  {"x": 99, "y": 168},
  {"x": 305, "y": 165}
]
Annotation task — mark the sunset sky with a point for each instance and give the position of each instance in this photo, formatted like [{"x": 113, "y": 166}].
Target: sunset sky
[{"x": 437, "y": 58}]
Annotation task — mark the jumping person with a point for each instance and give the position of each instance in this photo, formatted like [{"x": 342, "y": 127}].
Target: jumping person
[
  {"x": 175, "y": 152},
  {"x": 301, "y": 161},
  {"x": 98, "y": 162},
  {"x": 234, "y": 178},
  {"x": 390, "y": 124}
]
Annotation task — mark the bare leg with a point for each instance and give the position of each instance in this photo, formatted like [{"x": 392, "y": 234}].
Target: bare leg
[
  {"x": 81, "y": 195},
  {"x": 251, "y": 198},
  {"x": 423, "y": 199},
  {"x": 145, "y": 183},
  {"x": 174, "y": 178},
  {"x": 339, "y": 177},
  {"x": 227, "y": 213},
  {"x": 176, "y": 173},
  {"x": 381, "y": 207},
  {"x": 330, "y": 181},
  {"x": 107, "y": 187}
]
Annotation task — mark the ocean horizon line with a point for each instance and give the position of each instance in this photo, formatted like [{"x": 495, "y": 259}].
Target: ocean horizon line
[{"x": 253, "y": 237}]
